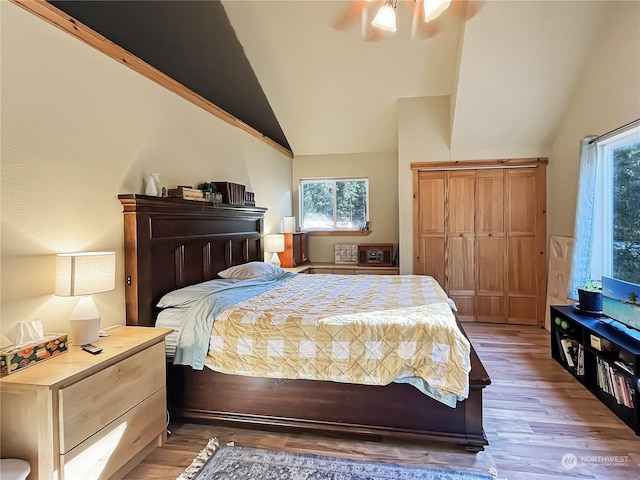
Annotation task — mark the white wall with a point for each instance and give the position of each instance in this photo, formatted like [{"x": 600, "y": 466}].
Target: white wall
[
  {"x": 423, "y": 136},
  {"x": 78, "y": 128},
  {"x": 607, "y": 96}
]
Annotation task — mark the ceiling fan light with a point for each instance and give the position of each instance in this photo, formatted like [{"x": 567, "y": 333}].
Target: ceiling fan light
[
  {"x": 433, "y": 8},
  {"x": 385, "y": 19}
]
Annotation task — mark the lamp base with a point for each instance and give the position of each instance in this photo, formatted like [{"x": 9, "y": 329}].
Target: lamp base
[
  {"x": 275, "y": 259},
  {"x": 82, "y": 332},
  {"x": 84, "y": 323}
]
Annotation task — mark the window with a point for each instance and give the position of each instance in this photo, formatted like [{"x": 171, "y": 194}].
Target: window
[
  {"x": 334, "y": 203},
  {"x": 616, "y": 241}
]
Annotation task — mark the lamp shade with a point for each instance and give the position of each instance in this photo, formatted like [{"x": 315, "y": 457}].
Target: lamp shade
[
  {"x": 289, "y": 224},
  {"x": 85, "y": 273},
  {"x": 385, "y": 18},
  {"x": 433, "y": 8},
  {"x": 274, "y": 243}
]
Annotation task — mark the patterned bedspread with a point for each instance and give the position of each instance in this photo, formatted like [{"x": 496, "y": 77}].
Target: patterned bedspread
[{"x": 369, "y": 329}]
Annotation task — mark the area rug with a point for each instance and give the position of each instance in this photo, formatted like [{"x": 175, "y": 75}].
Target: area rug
[{"x": 243, "y": 463}]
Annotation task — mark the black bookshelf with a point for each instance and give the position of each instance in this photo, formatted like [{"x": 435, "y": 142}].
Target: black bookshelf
[{"x": 603, "y": 355}]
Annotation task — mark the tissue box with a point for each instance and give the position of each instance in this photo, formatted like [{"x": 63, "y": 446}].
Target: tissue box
[{"x": 14, "y": 359}]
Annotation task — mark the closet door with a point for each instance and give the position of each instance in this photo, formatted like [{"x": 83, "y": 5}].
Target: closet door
[
  {"x": 460, "y": 254},
  {"x": 491, "y": 253},
  {"x": 430, "y": 218},
  {"x": 479, "y": 230},
  {"x": 522, "y": 247}
]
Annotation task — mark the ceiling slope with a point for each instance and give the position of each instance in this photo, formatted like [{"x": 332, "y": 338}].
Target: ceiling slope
[
  {"x": 190, "y": 41},
  {"x": 280, "y": 67},
  {"x": 520, "y": 61},
  {"x": 509, "y": 71}
]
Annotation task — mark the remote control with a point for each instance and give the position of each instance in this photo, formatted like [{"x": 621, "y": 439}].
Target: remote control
[{"x": 91, "y": 349}]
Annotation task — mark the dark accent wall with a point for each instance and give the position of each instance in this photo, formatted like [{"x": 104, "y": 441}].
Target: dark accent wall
[{"x": 192, "y": 42}]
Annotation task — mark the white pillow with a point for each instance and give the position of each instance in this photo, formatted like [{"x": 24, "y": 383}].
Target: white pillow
[
  {"x": 250, "y": 270},
  {"x": 185, "y": 296}
]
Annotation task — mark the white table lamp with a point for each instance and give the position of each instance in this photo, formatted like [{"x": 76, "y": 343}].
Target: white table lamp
[
  {"x": 289, "y": 224},
  {"x": 273, "y": 244},
  {"x": 84, "y": 274}
]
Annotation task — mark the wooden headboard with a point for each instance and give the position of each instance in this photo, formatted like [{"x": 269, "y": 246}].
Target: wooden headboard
[{"x": 170, "y": 243}]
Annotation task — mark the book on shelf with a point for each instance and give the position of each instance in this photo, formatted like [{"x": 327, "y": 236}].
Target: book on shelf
[
  {"x": 621, "y": 390},
  {"x": 570, "y": 349},
  {"x": 615, "y": 383},
  {"x": 627, "y": 368},
  {"x": 187, "y": 193},
  {"x": 232, "y": 193},
  {"x": 625, "y": 391},
  {"x": 580, "y": 367},
  {"x": 560, "y": 348},
  {"x": 631, "y": 392}
]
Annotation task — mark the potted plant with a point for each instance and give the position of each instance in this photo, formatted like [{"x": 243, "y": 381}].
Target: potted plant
[
  {"x": 590, "y": 296},
  {"x": 211, "y": 192}
]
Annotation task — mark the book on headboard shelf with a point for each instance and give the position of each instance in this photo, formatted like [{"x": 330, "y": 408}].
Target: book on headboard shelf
[
  {"x": 232, "y": 193},
  {"x": 187, "y": 192}
]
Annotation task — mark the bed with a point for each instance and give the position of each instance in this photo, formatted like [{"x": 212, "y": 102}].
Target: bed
[{"x": 172, "y": 243}]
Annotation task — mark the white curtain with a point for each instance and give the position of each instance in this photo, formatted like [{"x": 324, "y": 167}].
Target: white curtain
[{"x": 583, "y": 229}]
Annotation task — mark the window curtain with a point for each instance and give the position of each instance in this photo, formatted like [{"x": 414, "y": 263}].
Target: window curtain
[{"x": 583, "y": 229}]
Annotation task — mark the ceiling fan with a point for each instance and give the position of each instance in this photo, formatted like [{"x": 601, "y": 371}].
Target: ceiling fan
[{"x": 377, "y": 18}]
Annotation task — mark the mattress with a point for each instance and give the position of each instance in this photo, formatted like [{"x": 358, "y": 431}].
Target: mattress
[
  {"x": 368, "y": 329},
  {"x": 171, "y": 318}
]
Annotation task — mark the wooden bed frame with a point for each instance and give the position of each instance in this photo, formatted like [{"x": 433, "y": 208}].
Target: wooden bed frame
[{"x": 171, "y": 243}]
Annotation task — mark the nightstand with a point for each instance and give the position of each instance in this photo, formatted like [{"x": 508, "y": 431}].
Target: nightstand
[
  {"x": 84, "y": 416},
  {"x": 295, "y": 249}
]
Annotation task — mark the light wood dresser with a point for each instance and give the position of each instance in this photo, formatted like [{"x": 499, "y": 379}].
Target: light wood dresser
[{"x": 84, "y": 416}]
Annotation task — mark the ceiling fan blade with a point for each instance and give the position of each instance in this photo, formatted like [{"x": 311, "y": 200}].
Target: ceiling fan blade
[
  {"x": 466, "y": 9},
  {"x": 372, "y": 34},
  {"x": 424, "y": 30},
  {"x": 351, "y": 14},
  {"x": 419, "y": 28}
]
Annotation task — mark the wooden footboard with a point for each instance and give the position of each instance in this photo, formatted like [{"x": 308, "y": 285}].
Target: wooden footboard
[{"x": 394, "y": 410}]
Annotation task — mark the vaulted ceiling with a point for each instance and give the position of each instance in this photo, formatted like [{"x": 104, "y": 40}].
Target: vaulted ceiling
[{"x": 509, "y": 71}]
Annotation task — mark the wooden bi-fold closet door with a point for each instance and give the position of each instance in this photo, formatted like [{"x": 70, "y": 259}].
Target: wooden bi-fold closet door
[{"x": 479, "y": 230}]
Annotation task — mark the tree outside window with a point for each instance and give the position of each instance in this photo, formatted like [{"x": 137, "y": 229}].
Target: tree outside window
[
  {"x": 334, "y": 204},
  {"x": 626, "y": 213}
]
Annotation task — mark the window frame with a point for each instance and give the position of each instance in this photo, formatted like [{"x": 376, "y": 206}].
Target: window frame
[
  {"x": 334, "y": 180},
  {"x": 602, "y": 247}
]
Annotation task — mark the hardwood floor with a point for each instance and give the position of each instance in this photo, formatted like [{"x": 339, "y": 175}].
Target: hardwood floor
[{"x": 535, "y": 414}]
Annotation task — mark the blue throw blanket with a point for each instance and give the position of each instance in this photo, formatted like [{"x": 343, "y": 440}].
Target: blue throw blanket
[{"x": 193, "y": 341}]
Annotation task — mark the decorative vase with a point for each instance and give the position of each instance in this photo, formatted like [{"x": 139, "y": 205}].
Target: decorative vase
[{"x": 152, "y": 184}]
